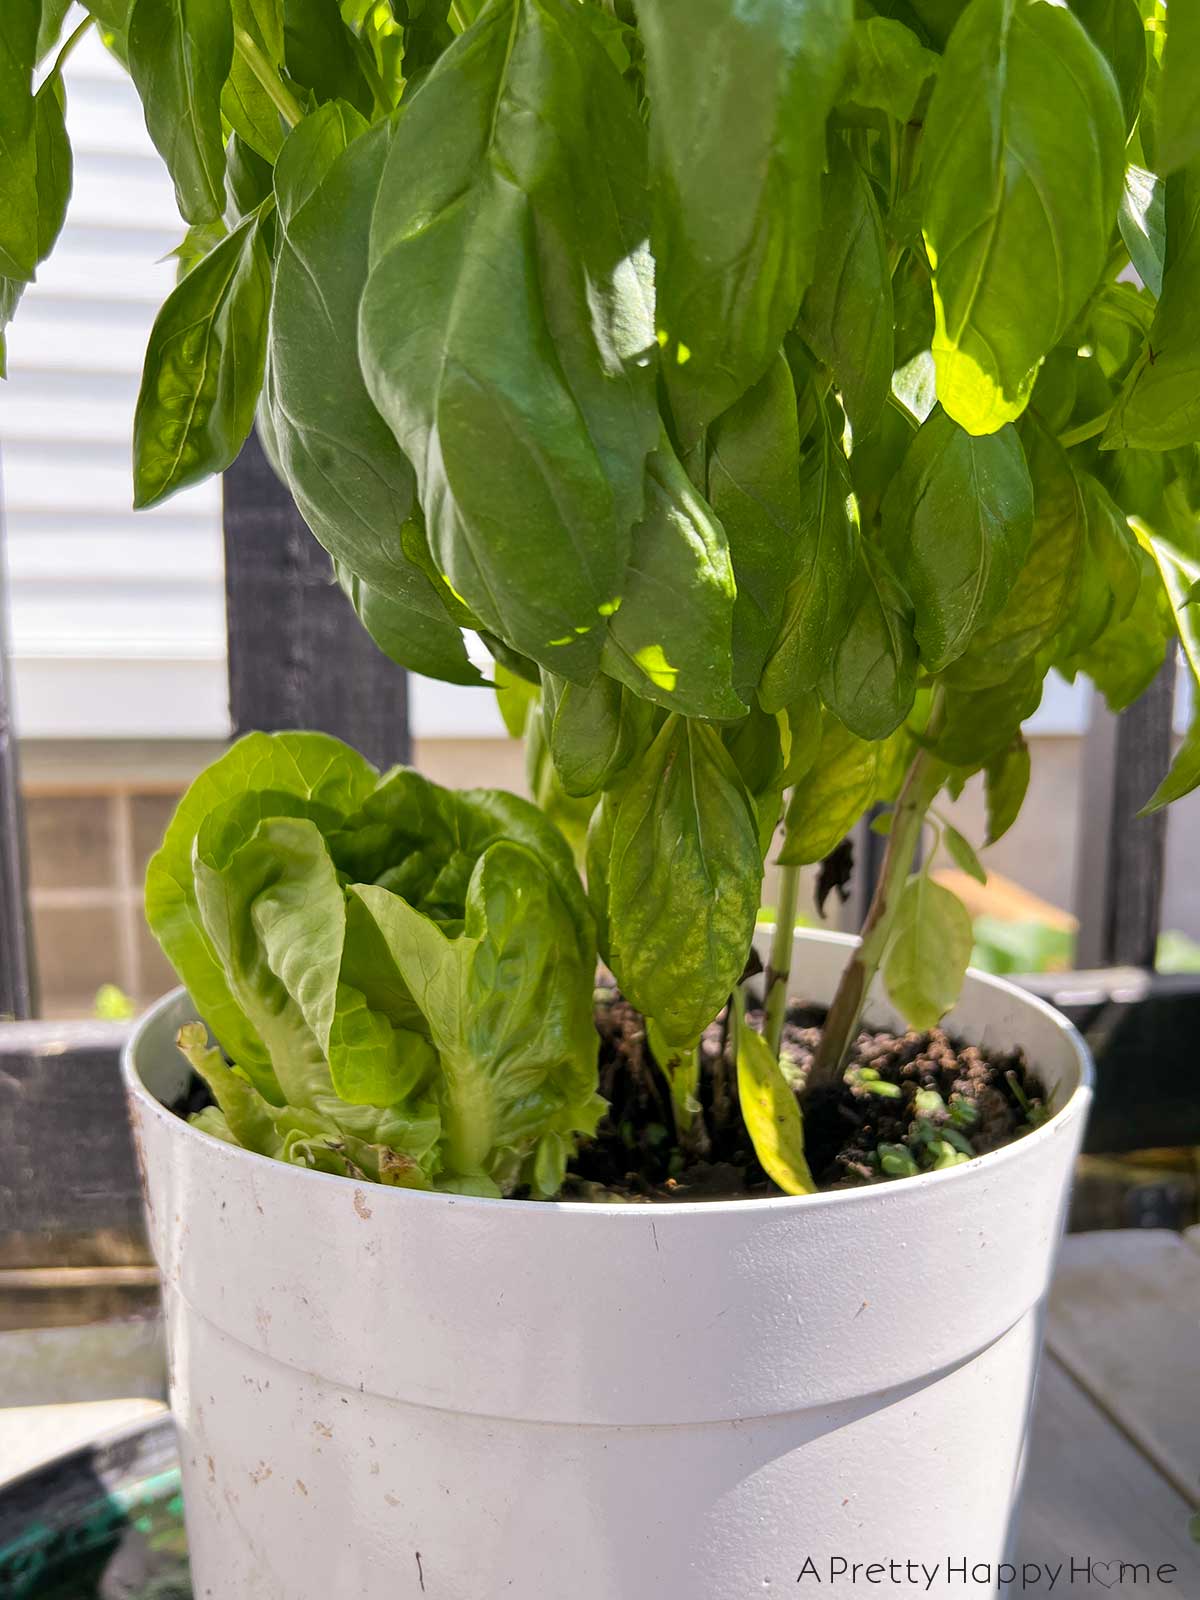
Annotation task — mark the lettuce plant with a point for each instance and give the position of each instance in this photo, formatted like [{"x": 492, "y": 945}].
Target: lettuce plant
[
  {"x": 779, "y": 391},
  {"x": 401, "y": 974}
]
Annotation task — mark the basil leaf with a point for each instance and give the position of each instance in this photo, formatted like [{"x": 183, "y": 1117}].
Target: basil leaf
[
  {"x": 54, "y": 13},
  {"x": 962, "y": 853},
  {"x": 889, "y": 68},
  {"x": 1042, "y": 600},
  {"x": 406, "y": 633},
  {"x": 670, "y": 637},
  {"x": 927, "y": 958},
  {"x": 957, "y": 524},
  {"x": 760, "y": 747},
  {"x": 320, "y": 54},
  {"x": 1179, "y": 567},
  {"x": 771, "y": 1113},
  {"x": 506, "y": 324},
  {"x": 817, "y": 599},
  {"x": 1159, "y": 405},
  {"x": 1006, "y": 782},
  {"x": 1023, "y": 167},
  {"x": 979, "y": 723},
  {"x": 18, "y": 140},
  {"x": 754, "y": 488},
  {"x": 737, "y": 180},
  {"x": 1116, "y": 28},
  {"x": 847, "y": 314},
  {"x": 1178, "y": 110},
  {"x": 593, "y": 733},
  {"x": 684, "y": 876},
  {"x": 871, "y": 681},
  {"x": 1142, "y": 219},
  {"x": 827, "y": 803},
  {"x": 180, "y": 53},
  {"x": 1128, "y": 655},
  {"x": 204, "y": 369},
  {"x": 246, "y": 105}
]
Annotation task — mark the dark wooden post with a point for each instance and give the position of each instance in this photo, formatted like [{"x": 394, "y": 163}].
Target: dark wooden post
[
  {"x": 298, "y": 656},
  {"x": 1119, "y": 868},
  {"x": 18, "y": 985}
]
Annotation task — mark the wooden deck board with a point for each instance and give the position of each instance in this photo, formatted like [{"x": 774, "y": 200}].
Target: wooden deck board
[
  {"x": 1092, "y": 1496},
  {"x": 1125, "y": 1323}
]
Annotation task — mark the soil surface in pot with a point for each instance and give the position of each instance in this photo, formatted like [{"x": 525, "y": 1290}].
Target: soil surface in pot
[{"x": 910, "y": 1102}]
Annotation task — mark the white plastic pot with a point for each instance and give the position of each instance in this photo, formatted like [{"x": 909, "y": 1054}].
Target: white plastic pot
[{"x": 383, "y": 1394}]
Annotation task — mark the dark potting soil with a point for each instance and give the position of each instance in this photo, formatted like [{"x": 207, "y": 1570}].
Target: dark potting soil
[{"x": 908, "y": 1101}]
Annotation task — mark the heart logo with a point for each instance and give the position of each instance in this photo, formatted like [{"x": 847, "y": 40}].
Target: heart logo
[{"x": 1096, "y": 1568}]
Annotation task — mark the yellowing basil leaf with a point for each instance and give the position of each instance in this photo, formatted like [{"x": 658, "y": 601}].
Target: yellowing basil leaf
[
  {"x": 1023, "y": 165},
  {"x": 826, "y": 804},
  {"x": 204, "y": 368},
  {"x": 771, "y": 1113},
  {"x": 957, "y": 523},
  {"x": 507, "y": 321},
  {"x": 847, "y": 313},
  {"x": 180, "y": 53},
  {"x": 737, "y": 178},
  {"x": 931, "y": 946},
  {"x": 684, "y": 875}
]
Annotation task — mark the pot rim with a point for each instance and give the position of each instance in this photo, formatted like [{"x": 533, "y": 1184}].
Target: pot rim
[{"x": 1075, "y": 1104}]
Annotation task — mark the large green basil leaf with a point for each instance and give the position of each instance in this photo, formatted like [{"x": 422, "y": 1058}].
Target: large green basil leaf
[
  {"x": 889, "y": 68},
  {"x": 1023, "y": 166},
  {"x": 1178, "y": 109},
  {"x": 18, "y": 141},
  {"x": 1178, "y": 562},
  {"x": 684, "y": 876},
  {"x": 1159, "y": 406},
  {"x": 320, "y": 53},
  {"x": 54, "y": 167},
  {"x": 509, "y": 1007},
  {"x": 871, "y": 680},
  {"x": 847, "y": 314},
  {"x": 817, "y": 598},
  {"x": 593, "y": 734},
  {"x": 1042, "y": 601},
  {"x": 406, "y": 633},
  {"x": 1118, "y": 32},
  {"x": 247, "y": 106},
  {"x": 670, "y": 637},
  {"x": 204, "y": 368},
  {"x": 180, "y": 53},
  {"x": 754, "y": 488},
  {"x": 353, "y": 485},
  {"x": 826, "y": 803},
  {"x": 930, "y": 947},
  {"x": 507, "y": 321},
  {"x": 294, "y": 774},
  {"x": 957, "y": 524},
  {"x": 737, "y": 179}
]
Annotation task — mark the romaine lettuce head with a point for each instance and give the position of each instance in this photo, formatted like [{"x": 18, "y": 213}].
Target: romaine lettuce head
[{"x": 399, "y": 976}]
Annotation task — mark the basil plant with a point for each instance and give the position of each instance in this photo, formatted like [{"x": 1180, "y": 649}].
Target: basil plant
[{"x": 779, "y": 391}]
